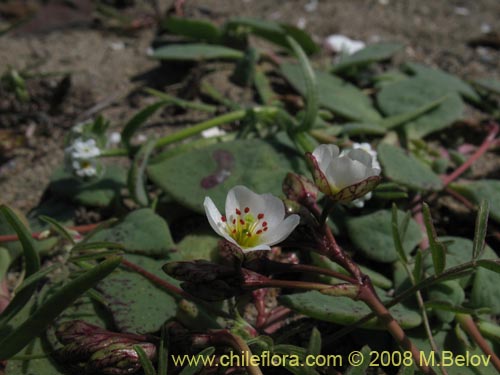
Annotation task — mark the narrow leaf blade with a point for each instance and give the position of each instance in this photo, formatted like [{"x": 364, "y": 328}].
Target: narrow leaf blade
[
  {"x": 136, "y": 183},
  {"x": 438, "y": 250},
  {"x": 32, "y": 265},
  {"x": 38, "y": 321},
  {"x": 480, "y": 230}
]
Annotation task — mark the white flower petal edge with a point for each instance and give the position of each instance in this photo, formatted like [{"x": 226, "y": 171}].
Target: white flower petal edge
[
  {"x": 336, "y": 171},
  {"x": 360, "y": 202},
  {"x": 324, "y": 154},
  {"x": 251, "y": 221}
]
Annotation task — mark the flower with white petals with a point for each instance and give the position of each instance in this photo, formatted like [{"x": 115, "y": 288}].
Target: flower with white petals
[
  {"x": 360, "y": 202},
  {"x": 81, "y": 149},
  {"x": 342, "y": 44},
  {"x": 344, "y": 177},
  {"x": 85, "y": 168},
  {"x": 251, "y": 221},
  {"x": 114, "y": 138}
]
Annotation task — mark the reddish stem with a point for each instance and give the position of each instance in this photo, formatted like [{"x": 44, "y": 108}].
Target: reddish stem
[
  {"x": 487, "y": 143},
  {"x": 369, "y": 296},
  {"x": 80, "y": 229},
  {"x": 419, "y": 218},
  {"x": 155, "y": 279},
  {"x": 259, "y": 296},
  {"x": 276, "y": 316},
  {"x": 459, "y": 197},
  {"x": 322, "y": 271},
  {"x": 469, "y": 326},
  {"x": 176, "y": 291}
]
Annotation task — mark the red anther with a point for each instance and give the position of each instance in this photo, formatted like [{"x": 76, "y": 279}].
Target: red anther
[
  {"x": 247, "y": 210},
  {"x": 260, "y": 216},
  {"x": 223, "y": 218}
]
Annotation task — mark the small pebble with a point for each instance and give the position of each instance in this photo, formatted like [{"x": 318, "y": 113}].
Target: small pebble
[
  {"x": 311, "y": 6},
  {"x": 301, "y": 23},
  {"x": 462, "y": 11}
]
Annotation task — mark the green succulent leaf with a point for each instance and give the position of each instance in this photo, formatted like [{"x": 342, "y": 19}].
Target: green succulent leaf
[
  {"x": 414, "y": 94},
  {"x": 488, "y": 190},
  {"x": 102, "y": 192},
  {"x": 136, "y": 304},
  {"x": 370, "y": 54},
  {"x": 446, "y": 80},
  {"x": 406, "y": 169},
  {"x": 450, "y": 292},
  {"x": 273, "y": 32},
  {"x": 372, "y": 235},
  {"x": 213, "y": 170},
  {"x": 343, "y": 310},
  {"x": 196, "y": 29},
  {"x": 488, "y": 84},
  {"x": 196, "y": 52},
  {"x": 141, "y": 232},
  {"x": 334, "y": 94}
]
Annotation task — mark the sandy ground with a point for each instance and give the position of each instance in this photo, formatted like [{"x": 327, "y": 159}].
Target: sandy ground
[{"x": 103, "y": 63}]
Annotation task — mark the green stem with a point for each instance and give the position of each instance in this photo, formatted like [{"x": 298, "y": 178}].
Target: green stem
[
  {"x": 311, "y": 87},
  {"x": 301, "y": 139},
  {"x": 425, "y": 318},
  {"x": 180, "y": 102},
  {"x": 114, "y": 152},
  {"x": 185, "y": 133},
  {"x": 228, "y": 338},
  {"x": 198, "y": 128}
]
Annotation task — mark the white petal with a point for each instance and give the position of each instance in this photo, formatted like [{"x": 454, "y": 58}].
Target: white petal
[
  {"x": 361, "y": 155},
  {"x": 345, "y": 172},
  {"x": 215, "y": 218},
  {"x": 241, "y": 197},
  {"x": 273, "y": 210},
  {"x": 324, "y": 154},
  {"x": 90, "y": 142},
  {"x": 282, "y": 231},
  {"x": 231, "y": 202},
  {"x": 257, "y": 247}
]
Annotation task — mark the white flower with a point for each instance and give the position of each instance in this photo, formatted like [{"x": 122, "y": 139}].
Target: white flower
[
  {"x": 114, "y": 138},
  {"x": 78, "y": 128},
  {"x": 251, "y": 221},
  {"x": 81, "y": 149},
  {"x": 343, "y": 177},
  {"x": 213, "y": 132},
  {"x": 85, "y": 168},
  {"x": 360, "y": 202},
  {"x": 342, "y": 44}
]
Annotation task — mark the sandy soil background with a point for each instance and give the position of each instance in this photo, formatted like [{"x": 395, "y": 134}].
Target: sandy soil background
[{"x": 105, "y": 64}]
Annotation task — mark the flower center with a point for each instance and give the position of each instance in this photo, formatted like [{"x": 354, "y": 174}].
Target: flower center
[{"x": 244, "y": 227}]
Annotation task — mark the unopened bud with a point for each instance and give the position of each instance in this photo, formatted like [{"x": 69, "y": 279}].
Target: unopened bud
[
  {"x": 95, "y": 350},
  {"x": 300, "y": 189},
  {"x": 206, "y": 280}
]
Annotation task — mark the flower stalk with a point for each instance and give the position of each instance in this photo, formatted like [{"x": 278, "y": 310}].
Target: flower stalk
[{"x": 469, "y": 326}]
